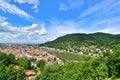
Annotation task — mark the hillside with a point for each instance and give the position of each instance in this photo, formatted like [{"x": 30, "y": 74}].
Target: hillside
[
  {"x": 88, "y": 56},
  {"x": 77, "y": 40}
]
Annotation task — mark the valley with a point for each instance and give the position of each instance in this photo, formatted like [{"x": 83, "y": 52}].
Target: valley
[{"x": 71, "y": 57}]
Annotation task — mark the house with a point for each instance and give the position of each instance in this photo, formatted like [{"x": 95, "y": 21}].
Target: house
[
  {"x": 16, "y": 67},
  {"x": 34, "y": 64},
  {"x": 38, "y": 73},
  {"x": 60, "y": 62},
  {"x": 30, "y": 73}
]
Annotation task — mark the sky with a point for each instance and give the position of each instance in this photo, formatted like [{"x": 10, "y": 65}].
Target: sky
[{"x": 39, "y": 21}]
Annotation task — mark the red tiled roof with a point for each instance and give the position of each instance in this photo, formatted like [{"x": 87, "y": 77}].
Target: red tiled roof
[
  {"x": 16, "y": 67},
  {"x": 29, "y": 73}
]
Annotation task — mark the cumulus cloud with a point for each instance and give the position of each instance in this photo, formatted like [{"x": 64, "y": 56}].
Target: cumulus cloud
[
  {"x": 11, "y": 8},
  {"x": 36, "y": 33},
  {"x": 35, "y": 3},
  {"x": 28, "y": 33},
  {"x": 5, "y": 26}
]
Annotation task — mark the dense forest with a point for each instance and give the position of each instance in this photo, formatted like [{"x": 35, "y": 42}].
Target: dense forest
[{"x": 76, "y": 40}]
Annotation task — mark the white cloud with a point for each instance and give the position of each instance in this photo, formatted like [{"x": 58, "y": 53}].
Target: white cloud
[
  {"x": 9, "y": 33},
  {"x": 42, "y": 31},
  {"x": 11, "y": 8},
  {"x": 36, "y": 33},
  {"x": 108, "y": 26},
  {"x": 103, "y": 8},
  {"x": 2, "y": 19},
  {"x": 71, "y": 4},
  {"x": 63, "y": 7},
  {"x": 35, "y": 8},
  {"x": 60, "y": 28},
  {"x": 111, "y": 29},
  {"x": 35, "y": 3},
  {"x": 5, "y": 26}
]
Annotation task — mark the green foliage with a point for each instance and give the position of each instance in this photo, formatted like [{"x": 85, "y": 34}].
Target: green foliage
[
  {"x": 41, "y": 64},
  {"x": 7, "y": 72},
  {"x": 10, "y": 73},
  {"x": 77, "y": 67},
  {"x": 69, "y": 56},
  {"x": 114, "y": 65},
  {"x": 2, "y": 56},
  {"x": 11, "y": 58},
  {"x": 7, "y": 59},
  {"x": 76, "y": 40},
  {"x": 74, "y": 71},
  {"x": 50, "y": 73},
  {"x": 20, "y": 74},
  {"x": 2, "y": 72},
  {"x": 24, "y": 62},
  {"x": 97, "y": 68}
]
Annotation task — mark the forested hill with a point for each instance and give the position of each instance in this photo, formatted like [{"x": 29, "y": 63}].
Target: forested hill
[{"x": 81, "y": 39}]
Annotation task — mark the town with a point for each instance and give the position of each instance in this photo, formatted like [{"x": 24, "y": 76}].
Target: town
[{"x": 29, "y": 52}]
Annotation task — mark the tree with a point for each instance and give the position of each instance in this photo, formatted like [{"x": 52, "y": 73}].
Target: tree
[
  {"x": 11, "y": 58},
  {"x": 20, "y": 74},
  {"x": 4, "y": 58},
  {"x": 11, "y": 74},
  {"x": 2, "y": 72},
  {"x": 114, "y": 64},
  {"x": 50, "y": 73},
  {"x": 41, "y": 64},
  {"x": 24, "y": 62}
]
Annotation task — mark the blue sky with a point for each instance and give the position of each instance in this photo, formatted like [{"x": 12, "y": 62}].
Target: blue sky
[{"x": 38, "y": 21}]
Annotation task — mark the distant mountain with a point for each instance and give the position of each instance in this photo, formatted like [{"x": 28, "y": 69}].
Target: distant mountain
[{"x": 81, "y": 39}]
